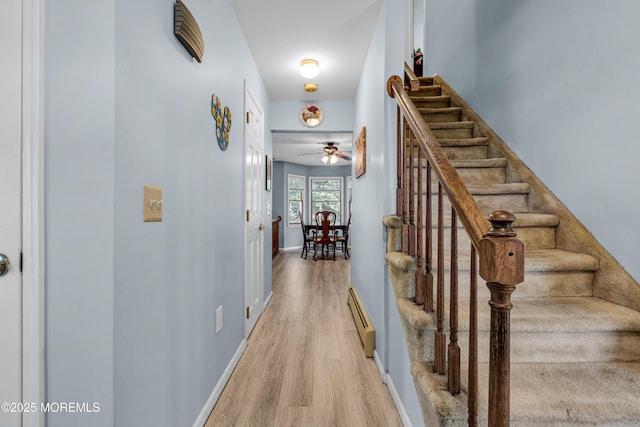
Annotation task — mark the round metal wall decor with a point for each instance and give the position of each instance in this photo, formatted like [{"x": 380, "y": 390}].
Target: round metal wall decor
[
  {"x": 311, "y": 115},
  {"x": 223, "y": 122}
]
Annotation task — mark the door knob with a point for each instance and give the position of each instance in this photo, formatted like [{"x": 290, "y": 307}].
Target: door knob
[
  {"x": 261, "y": 227},
  {"x": 4, "y": 265}
]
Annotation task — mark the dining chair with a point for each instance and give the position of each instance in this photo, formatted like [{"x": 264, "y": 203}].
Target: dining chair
[
  {"x": 325, "y": 236},
  {"x": 344, "y": 239},
  {"x": 307, "y": 240}
]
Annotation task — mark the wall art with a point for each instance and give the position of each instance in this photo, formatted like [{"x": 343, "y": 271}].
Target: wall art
[
  {"x": 361, "y": 153},
  {"x": 311, "y": 115},
  {"x": 222, "y": 118},
  {"x": 186, "y": 30}
]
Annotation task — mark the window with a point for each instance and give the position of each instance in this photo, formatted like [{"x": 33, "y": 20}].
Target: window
[
  {"x": 295, "y": 191},
  {"x": 326, "y": 195}
]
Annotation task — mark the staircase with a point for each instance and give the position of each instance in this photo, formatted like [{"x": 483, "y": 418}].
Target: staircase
[{"x": 575, "y": 324}]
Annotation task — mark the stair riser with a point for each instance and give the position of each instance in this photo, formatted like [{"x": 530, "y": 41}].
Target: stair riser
[
  {"x": 532, "y": 237},
  {"x": 473, "y": 176},
  {"x": 514, "y": 203},
  {"x": 433, "y": 103},
  {"x": 427, "y": 91},
  {"x": 466, "y": 153},
  {"x": 535, "y": 347},
  {"x": 536, "y": 284},
  {"x": 453, "y": 133},
  {"x": 441, "y": 117}
]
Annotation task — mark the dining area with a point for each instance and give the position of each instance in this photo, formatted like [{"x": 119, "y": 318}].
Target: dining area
[{"x": 325, "y": 236}]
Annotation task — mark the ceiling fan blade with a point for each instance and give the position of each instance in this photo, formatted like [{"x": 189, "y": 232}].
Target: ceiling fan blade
[
  {"x": 343, "y": 156},
  {"x": 309, "y": 154}
]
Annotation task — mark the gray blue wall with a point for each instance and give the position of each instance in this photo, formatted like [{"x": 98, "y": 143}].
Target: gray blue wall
[
  {"x": 374, "y": 197},
  {"x": 558, "y": 82},
  {"x": 131, "y": 305}
]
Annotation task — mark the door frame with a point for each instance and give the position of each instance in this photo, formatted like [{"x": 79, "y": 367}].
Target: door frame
[
  {"x": 248, "y": 93},
  {"x": 33, "y": 164}
]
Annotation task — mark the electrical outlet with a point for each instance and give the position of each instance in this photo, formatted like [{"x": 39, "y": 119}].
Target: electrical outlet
[{"x": 218, "y": 319}]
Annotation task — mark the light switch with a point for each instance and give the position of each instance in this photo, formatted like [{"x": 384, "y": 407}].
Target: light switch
[{"x": 152, "y": 209}]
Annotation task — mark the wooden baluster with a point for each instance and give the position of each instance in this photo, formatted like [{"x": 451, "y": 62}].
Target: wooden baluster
[
  {"x": 419, "y": 237},
  {"x": 406, "y": 192},
  {"x": 502, "y": 266},
  {"x": 428, "y": 303},
  {"x": 472, "y": 397},
  {"x": 440, "y": 345},
  {"x": 453, "y": 372},
  {"x": 400, "y": 165},
  {"x": 412, "y": 197}
]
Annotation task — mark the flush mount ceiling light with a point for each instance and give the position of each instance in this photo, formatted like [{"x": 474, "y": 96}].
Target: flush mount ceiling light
[
  {"x": 310, "y": 87},
  {"x": 309, "y": 68}
]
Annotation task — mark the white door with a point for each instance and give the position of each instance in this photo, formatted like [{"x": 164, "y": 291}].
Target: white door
[
  {"x": 254, "y": 182},
  {"x": 10, "y": 210}
]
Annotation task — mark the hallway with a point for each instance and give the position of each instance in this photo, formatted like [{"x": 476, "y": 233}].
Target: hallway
[{"x": 304, "y": 364}]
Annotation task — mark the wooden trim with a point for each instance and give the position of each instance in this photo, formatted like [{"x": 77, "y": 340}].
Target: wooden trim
[
  {"x": 33, "y": 327},
  {"x": 414, "y": 82}
]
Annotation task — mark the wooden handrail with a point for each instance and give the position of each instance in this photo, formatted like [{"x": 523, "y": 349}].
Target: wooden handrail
[
  {"x": 465, "y": 205},
  {"x": 414, "y": 82}
]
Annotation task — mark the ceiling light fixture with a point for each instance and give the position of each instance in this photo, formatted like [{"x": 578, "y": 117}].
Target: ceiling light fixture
[
  {"x": 310, "y": 87},
  {"x": 309, "y": 68},
  {"x": 332, "y": 159}
]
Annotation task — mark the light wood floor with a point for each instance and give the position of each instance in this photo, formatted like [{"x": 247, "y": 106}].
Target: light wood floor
[{"x": 304, "y": 364}]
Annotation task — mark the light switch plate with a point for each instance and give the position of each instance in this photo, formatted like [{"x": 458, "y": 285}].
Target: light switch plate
[
  {"x": 152, "y": 209},
  {"x": 218, "y": 319}
]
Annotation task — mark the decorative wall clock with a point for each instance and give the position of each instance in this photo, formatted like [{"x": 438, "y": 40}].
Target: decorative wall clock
[
  {"x": 311, "y": 115},
  {"x": 223, "y": 122}
]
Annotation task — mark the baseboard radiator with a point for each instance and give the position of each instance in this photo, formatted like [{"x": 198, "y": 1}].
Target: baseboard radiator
[{"x": 365, "y": 329}]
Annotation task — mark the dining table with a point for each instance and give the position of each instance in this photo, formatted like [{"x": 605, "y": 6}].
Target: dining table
[{"x": 344, "y": 228}]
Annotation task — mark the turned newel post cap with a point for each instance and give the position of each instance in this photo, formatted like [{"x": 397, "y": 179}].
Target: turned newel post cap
[
  {"x": 501, "y": 224},
  {"x": 501, "y": 254}
]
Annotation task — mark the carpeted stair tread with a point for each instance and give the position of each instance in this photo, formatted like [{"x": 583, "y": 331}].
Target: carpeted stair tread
[
  {"x": 522, "y": 220},
  {"x": 463, "y": 142},
  {"x": 562, "y": 314},
  {"x": 506, "y": 188},
  {"x": 558, "y": 260},
  {"x": 556, "y": 394},
  {"x": 541, "y": 315},
  {"x": 498, "y": 162},
  {"x": 535, "y": 260},
  {"x": 452, "y": 125}
]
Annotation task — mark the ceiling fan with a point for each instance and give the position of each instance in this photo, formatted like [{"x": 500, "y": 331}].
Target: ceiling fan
[{"x": 330, "y": 153}]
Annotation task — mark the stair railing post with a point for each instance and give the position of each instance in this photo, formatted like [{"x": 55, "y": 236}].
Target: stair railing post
[{"x": 502, "y": 266}]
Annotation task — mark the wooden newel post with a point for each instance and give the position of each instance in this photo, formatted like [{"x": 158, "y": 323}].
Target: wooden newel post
[{"x": 502, "y": 266}]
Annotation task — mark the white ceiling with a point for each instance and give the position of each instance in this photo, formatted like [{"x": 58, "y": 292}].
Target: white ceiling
[{"x": 281, "y": 33}]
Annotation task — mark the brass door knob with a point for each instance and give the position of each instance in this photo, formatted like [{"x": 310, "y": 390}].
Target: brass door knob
[
  {"x": 4, "y": 265},
  {"x": 261, "y": 227}
]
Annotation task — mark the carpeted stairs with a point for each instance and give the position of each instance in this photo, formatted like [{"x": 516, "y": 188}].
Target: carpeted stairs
[{"x": 575, "y": 324}]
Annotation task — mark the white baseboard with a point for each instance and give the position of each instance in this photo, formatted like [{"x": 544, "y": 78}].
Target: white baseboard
[
  {"x": 397, "y": 401},
  {"x": 266, "y": 302},
  {"x": 381, "y": 370},
  {"x": 217, "y": 390},
  {"x": 402, "y": 412}
]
